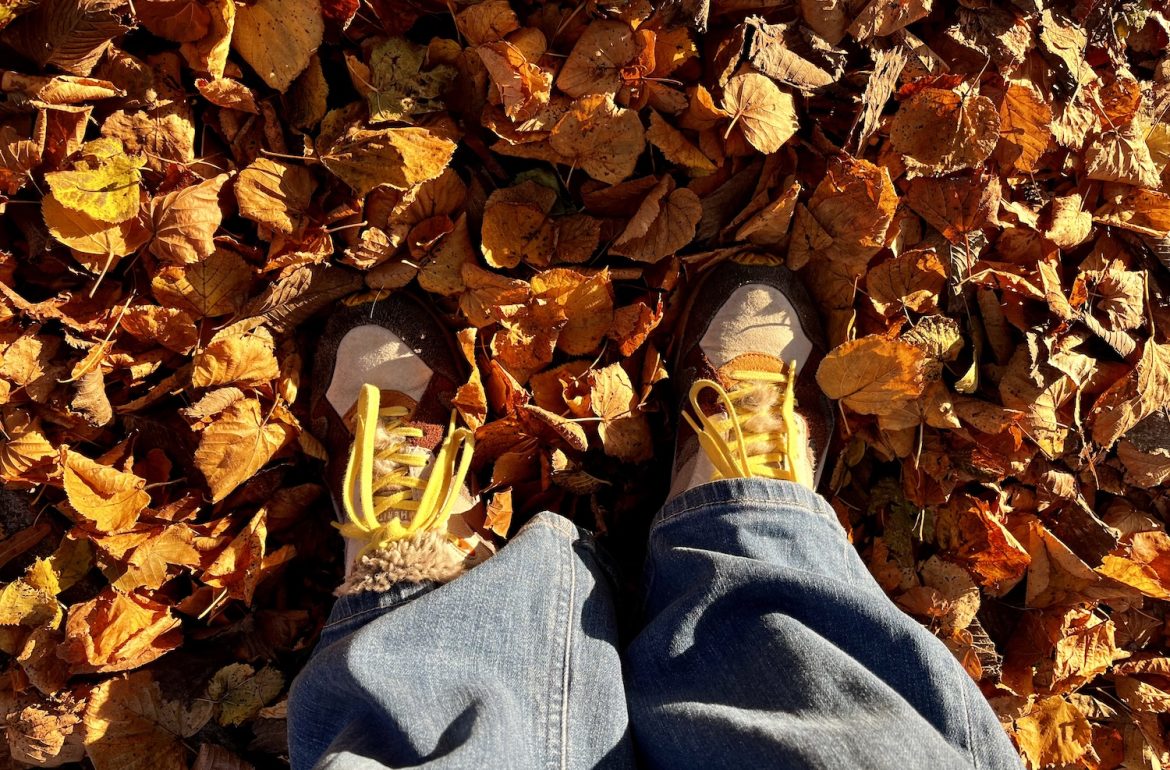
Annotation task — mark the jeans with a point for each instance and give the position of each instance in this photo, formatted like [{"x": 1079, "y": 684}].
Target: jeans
[{"x": 766, "y": 643}]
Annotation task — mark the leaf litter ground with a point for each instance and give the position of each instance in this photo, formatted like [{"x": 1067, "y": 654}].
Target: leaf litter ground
[{"x": 977, "y": 195}]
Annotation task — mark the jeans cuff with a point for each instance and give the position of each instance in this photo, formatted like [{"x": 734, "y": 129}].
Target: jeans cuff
[
  {"x": 353, "y": 610},
  {"x": 726, "y": 492}
]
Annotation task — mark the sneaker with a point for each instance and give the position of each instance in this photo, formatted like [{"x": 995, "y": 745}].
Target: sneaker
[
  {"x": 745, "y": 368},
  {"x": 383, "y": 379}
]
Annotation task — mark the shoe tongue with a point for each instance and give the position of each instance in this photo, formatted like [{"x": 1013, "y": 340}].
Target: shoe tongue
[{"x": 748, "y": 362}]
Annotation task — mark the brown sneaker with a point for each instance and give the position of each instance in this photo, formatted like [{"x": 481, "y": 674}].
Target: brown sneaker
[
  {"x": 383, "y": 380},
  {"x": 745, "y": 368}
]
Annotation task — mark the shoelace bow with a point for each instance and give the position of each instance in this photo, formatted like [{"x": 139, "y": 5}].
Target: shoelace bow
[
  {"x": 736, "y": 453},
  {"x": 440, "y": 490}
]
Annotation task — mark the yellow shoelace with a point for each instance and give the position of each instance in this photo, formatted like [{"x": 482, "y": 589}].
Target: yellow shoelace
[
  {"x": 440, "y": 490},
  {"x": 736, "y": 453}
]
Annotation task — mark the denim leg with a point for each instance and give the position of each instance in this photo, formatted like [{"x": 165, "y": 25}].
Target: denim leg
[
  {"x": 512, "y": 665},
  {"x": 768, "y": 644}
]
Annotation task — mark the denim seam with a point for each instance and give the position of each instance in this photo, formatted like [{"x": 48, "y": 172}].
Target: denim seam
[
  {"x": 967, "y": 717},
  {"x": 380, "y": 608},
  {"x": 567, "y": 660}
]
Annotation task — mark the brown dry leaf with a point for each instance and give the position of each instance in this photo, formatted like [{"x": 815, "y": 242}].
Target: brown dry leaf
[
  {"x": 664, "y": 223},
  {"x": 216, "y": 286},
  {"x": 846, "y": 219},
  {"x": 45, "y": 733},
  {"x": 238, "y": 443},
  {"x": 275, "y": 194},
  {"x": 601, "y": 138},
  {"x": 499, "y": 512},
  {"x": 910, "y": 281},
  {"x": 229, "y": 94},
  {"x": 769, "y": 226},
  {"x": 879, "y": 18},
  {"x": 765, "y": 114},
  {"x": 1071, "y": 224},
  {"x": 587, "y": 301},
  {"x": 471, "y": 399},
  {"x": 676, "y": 148},
  {"x": 527, "y": 340},
  {"x": 624, "y": 431},
  {"x": 116, "y": 631},
  {"x": 517, "y": 226},
  {"x": 243, "y": 359},
  {"x": 486, "y": 22},
  {"x": 277, "y": 38},
  {"x": 208, "y": 53},
  {"x": 1142, "y": 561},
  {"x": 238, "y": 567},
  {"x": 184, "y": 222},
  {"x": 107, "y": 499},
  {"x": 172, "y": 328},
  {"x": 1053, "y": 732},
  {"x": 523, "y": 86},
  {"x": 872, "y": 375},
  {"x": 1121, "y": 155},
  {"x": 1133, "y": 398},
  {"x": 1024, "y": 128},
  {"x": 596, "y": 62},
  {"x": 1140, "y": 211},
  {"x": 130, "y": 726},
  {"x": 632, "y": 324},
  {"x": 940, "y": 131},
  {"x": 399, "y": 157}
]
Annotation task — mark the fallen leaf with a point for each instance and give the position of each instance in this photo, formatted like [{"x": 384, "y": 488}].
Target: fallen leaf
[
  {"x": 601, "y": 138},
  {"x": 244, "y": 359},
  {"x": 238, "y": 443},
  {"x": 184, "y": 222},
  {"x": 940, "y": 131},
  {"x": 275, "y": 194},
  {"x": 399, "y": 157},
  {"x": 107, "y": 499},
  {"x": 277, "y": 37},
  {"x": 400, "y": 86},
  {"x": 872, "y": 375},
  {"x": 116, "y": 631},
  {"x": 240, "y": 691},
  {"x": 765, "y": 114},
  {"x": 214, "y": 287},
  {"x": 595, "y": 64},
  {"x": 130, "y": 726},
  {"x": 664, "y": 223}
]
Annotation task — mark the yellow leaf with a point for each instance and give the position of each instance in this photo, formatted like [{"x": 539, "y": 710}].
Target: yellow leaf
[
  {"x": 129, "y": 726},
  {"x": 765, "y": 114},
  {"x": 246, "y": 359},
  {"x": 107, "y": 499},
  {"x": 872, "y": 375},
  {"x": 399, "y": 157},
  {"x": 105, "y": 183},
  {"x": 1053, "y": 732},
  {"x": 600, "y": 138},
  {"x": 22, "y": 604},
  {"x": 275, "y": 194},
  {"x": 277, "y": 38},
  {"x": 116, "y": 631},
  {"x": 238, "y": 443},
  {"x": 89, "y": 236}
]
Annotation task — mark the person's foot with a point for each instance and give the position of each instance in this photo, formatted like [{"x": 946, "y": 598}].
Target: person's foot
[
  {"x": 383, "y": 379},
  {"x": 747, "y": 354}
]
